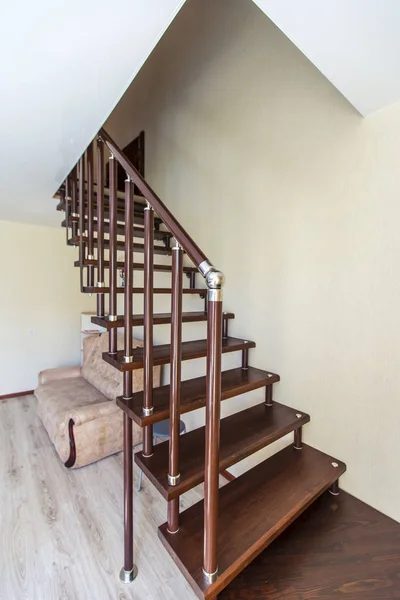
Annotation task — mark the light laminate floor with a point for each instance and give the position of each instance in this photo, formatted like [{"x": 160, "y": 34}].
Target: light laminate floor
[{"x": 61, "y": 530}]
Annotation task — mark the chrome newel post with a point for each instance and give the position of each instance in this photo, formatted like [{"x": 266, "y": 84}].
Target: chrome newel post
[{"x": 215, "y": 281}]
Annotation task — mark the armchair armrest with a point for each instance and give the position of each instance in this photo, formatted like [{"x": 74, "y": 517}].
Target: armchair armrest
[
  {"x": 90, "y": 412},
  {"x": 60, "y": 373}
]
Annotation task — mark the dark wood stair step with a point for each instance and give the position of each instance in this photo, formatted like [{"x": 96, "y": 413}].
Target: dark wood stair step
[
  {"x": 158, "y": 319},
  {"x": 193, "y": 393},
  {"x": 242, "y": 434},
  {"x": 120, "y": 245},
  {"x": 137, "y": 231},
  {"x": 162, "y": 353},
  {"x": 253, "y": 510},
  {"x": 140, "y": 290},
  {"x": 136, "y": 266}
]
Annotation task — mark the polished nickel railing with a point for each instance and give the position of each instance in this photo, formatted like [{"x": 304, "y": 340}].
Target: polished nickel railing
[{"x": 83, "y": 198}]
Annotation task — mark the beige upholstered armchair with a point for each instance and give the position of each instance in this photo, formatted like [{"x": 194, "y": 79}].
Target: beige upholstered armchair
[{"x": 77, "y": 405}]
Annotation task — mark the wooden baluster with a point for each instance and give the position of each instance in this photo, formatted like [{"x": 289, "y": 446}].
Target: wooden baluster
[
  {"x": 215, "y": 282},
  {"x": 74, "y": 208},
  {"x": 82, "y": 245},
  {"x": 175, "y": 383},
  {"x": 65, "y": 195},
  {"x": 129, "y": 570},
  {"x": 100, "y": 226},
  {"x": 148, "y": 326},
  {"x": 90, "y": 210},
  {"x": 113, "y": 254}
]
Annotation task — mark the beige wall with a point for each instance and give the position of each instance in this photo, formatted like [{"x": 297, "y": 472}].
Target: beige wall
[
  {"x": 297, "y": 199},
  {"x": 40, "y": 304}
]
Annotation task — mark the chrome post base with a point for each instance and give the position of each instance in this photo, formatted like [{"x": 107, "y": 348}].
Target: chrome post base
[
  {"x": 128, "y": 576},
  {"x": 210, "y": 577}
]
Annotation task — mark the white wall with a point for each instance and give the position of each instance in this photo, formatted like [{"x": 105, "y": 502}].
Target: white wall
[
  {"x": 296, "y": 198},
  {"x": 65, "y": 65},
  {"x": 40, "y": 304},
  {"x": 354, "y": 43}
]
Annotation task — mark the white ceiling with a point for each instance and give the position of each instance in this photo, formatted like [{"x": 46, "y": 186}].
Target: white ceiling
[
  {"x": 64, "y": 65},
  {"x": 354, "y": 43}
]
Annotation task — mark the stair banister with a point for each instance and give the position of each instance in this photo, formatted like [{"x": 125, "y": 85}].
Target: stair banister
[
  {"x": 82, "y": 246},
  {"x": 214, "y": 280},
  {"x": 182, "y": 237},
  {"x": 148, "y": 306},
  {"x": 90, "y": 216},
  {"x": 175, "y": 383},
  {"x": 113, "y": 253},
  {"x": 128, "y": 572},
  {"x": 74, "y": 210},
  {"x": 100, "y": 227}
]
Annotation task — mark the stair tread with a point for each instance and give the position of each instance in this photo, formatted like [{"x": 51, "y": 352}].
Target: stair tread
[
  {"x": 253, "y": 510},
  {"x": 121, "y": 245},
  {"x": 162, "y": 353},
  {"x": 158, "y": 319},
  {"x": 193, "y": 393},
  {"x": 242, "y": 434},
  {"x": 137, "y": 231},
  {"x": 140, "y": 290},
  {"x": 136, "y": 266}
]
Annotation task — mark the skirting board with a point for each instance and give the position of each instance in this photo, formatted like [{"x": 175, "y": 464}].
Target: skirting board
[{"x": 16, "y": 395}]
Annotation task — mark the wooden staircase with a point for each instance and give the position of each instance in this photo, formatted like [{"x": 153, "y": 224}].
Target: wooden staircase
[{"x": 212, "y": 541}]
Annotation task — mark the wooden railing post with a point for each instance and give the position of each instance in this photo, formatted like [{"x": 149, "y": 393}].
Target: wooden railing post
[
  {"x": 148, "y": 408},
  {"x": 129, "y": 570},
  {"x": 175, "y": 383},
  {"x": 113, "y": 254},
  {"x": 90, "y": 219},
  {"x": 66, "y": 196},
  {"x": 82, "y": 247},
  {"x": 100, "y": 226},
  {"x": 74, "y": 209},
  {"x": 215, "y": 281}
]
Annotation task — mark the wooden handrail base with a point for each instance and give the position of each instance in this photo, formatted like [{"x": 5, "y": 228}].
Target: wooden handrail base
[{"x": 72, "y": 447}]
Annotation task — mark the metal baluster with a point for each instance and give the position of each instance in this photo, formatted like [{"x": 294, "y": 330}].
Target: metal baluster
[
  {"x": 67, "y": 200},
  {"x": 113, "y": 254},
  {"x": 82, "y": 246},
  {"x": 215, "y": 281},
  {"x": 148, "y": 408},
  {"x": 175, "y": 383},
  {"x": 100, "y": 226},
  {"x": 74, "y": 208},
  {"x": 90, "y": 210},
  {"x": 129, "y": 570}
]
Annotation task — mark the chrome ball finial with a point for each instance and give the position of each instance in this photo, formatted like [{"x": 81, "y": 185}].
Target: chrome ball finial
[{"x": 215, "y": 280}]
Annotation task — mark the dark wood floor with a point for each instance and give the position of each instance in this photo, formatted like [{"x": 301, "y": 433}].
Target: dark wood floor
[{"x": 340, "y": 548}]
